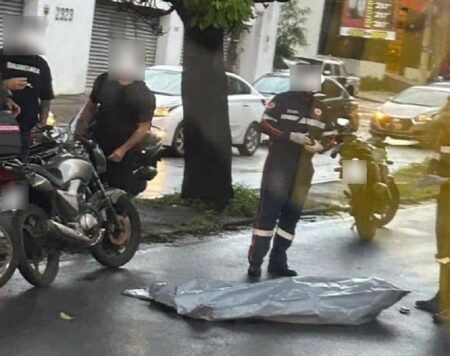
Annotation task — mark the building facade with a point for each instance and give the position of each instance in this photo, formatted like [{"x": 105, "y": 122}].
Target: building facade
[{"x": 78, "y": 33}]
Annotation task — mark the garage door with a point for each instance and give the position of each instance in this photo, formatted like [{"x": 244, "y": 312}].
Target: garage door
[
  {"x": 107, "y": 22},
  {"x": 9, "y": 7}
]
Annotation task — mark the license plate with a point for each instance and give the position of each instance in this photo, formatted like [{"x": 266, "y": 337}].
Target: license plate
[
  {"x": 13, "y": 197},
  {"x": 354, "y": 172}
]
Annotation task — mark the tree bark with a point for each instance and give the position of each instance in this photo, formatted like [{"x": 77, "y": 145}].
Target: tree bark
[{"x": 207, "y": 172}]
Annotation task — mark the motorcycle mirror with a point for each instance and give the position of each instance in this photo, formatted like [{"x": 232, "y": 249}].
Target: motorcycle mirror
[{"x": 343, "y": 121}]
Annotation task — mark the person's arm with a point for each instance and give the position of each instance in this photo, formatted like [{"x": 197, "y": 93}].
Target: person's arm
[
  {"x": 87, "y": 112},
  {"x": 12, "y": 106},
  {"x": 134, "y": 139},
  {"x": 90, "y": 108},
  {"x": 46, "y": 93}
]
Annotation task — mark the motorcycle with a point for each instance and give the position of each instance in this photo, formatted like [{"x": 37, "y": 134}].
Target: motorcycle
[
  {"x": 10, "y": 147},
  {"x": 70, "y": 209},
  {"x": 146, "y": 156},
  {"x": 375, "y": 200}
]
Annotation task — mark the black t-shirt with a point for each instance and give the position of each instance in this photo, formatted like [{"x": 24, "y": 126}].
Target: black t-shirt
[
  {"x": 121, "y": 109},
  {"x": 37, "y": 71}
]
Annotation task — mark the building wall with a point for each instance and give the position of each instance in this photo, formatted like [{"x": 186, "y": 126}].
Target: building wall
[
  {"x": 257, "y": 47},
  {"x": 170, "y": 44},
  {"x": 313, "y": 27},
  {"x": 68, "y": 41}
]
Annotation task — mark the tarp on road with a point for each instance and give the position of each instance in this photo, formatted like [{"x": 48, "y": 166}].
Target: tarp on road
[{"x": 303, "y": 300}]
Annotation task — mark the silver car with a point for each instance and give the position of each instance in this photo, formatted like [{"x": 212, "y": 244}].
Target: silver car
[{"x": 407, "y": 115}]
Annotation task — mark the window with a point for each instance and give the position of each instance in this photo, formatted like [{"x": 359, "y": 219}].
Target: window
[
  {"x": 327, "y": 70},
  {"x": 237, "y": 87},
  {"x": 330, "y": 89}
]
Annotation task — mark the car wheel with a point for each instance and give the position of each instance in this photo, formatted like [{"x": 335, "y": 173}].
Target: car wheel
[
  {"x": 178, "y": 141},
  {"x": 252, "y": 140}
]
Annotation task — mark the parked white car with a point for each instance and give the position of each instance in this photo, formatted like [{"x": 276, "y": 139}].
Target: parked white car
[{"x": 246, "y": 107}]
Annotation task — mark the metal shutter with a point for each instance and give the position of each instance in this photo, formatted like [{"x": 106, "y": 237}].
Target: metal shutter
[
  {"x": 9, "y": 7},
  {"x": 108, "y": 21}
]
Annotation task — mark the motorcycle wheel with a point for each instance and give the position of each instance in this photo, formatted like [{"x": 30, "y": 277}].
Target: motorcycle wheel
[
  {"x": 362, "y": 212},
  {"x": 9, "y": 249},
  {"x": 391, "y": 210},
  {"x": 39, "y": 259},
  {"x": 117, "y": 249}
]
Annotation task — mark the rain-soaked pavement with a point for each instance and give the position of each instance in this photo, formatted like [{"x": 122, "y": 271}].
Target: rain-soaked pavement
[
  {"x": 106, "y": 323},
  {"x": 248, "y": 170}
]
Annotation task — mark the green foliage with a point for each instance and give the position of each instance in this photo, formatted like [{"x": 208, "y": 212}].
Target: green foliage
[
  {"x": 291, "y": 31},
  {"x": 222, "y": 14},
  {"x": 410, "y": 191},
  {"x": 244, "y": 203}
]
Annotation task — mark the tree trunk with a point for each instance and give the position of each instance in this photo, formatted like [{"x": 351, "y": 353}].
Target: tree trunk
[{"x": 207, "y": 172}]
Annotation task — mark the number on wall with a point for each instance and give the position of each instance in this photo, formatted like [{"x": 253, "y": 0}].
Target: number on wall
[{"x": 64, "y": 14}]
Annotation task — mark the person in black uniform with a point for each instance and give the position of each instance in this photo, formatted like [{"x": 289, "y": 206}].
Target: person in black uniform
[
  {"x": 439, "y": 135},
  {"x": 121, "y": 106},
  {"x": 297, "y": 124},
  {"x": 27, "y": 75}
]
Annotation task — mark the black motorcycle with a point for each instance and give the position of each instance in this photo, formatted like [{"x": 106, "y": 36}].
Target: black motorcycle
[
  {"x": 147, "y": 154},
  {"x": 10, "y": 148},
  {"x": 374, "y": 202},
  {"x": 70, "y": 209}
]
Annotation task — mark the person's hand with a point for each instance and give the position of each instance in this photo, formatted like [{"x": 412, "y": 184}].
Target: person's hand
[
  {"x": 117, "y": 155},
  {"x": 18, "y": 83},
  {"x": 316, "y": 147},
  {"x": 12, "y": 106},
  {"x": 300, "y": 138}
]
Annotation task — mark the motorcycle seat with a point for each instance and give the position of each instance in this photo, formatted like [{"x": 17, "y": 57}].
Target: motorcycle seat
[{"x": 55, "y": 180}]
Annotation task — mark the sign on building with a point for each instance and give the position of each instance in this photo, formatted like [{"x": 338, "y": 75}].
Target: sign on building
[{"x": 369, "y": 19}]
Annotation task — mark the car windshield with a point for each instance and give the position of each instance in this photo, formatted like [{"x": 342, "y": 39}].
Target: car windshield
[
  {"x": 272, "y": 84},
  {"x": 422, "y": 97},
  {"x": 165, "y": 82}
]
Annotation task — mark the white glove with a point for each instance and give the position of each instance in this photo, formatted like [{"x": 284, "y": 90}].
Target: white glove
[
  {"x": 300, "y": 138},
  {"x": 314, "y": 148}
]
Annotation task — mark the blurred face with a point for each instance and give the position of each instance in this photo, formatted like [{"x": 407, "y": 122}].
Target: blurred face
[
  {"x": 24, "y": 35},
  {"x": 126, "y": 59},
  {"x": 306, "y": 77}
]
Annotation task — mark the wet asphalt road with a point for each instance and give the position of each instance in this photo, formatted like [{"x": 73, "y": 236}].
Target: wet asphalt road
[
  {"x": 107, "y": 323},
  {"x": 248, "y": 170}
]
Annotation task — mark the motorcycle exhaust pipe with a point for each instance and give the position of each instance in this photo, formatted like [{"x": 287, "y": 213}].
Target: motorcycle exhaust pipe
[{"x": 68, "y": 234}]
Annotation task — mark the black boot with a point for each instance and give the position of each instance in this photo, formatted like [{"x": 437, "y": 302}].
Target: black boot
[
  {"x": 431, "y": 305},
  {"x": 278, "y": 259},
  {"x": 258, "y": 250}
]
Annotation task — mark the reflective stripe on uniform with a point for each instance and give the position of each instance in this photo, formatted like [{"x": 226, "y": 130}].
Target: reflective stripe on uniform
[
  {"x": 284, "y": 234},
  {"x": 289, "y": 117},
  {"x": 268, "y": 117},
  {"x": 263, "y": 233},
  {"x": 312, "y": 122},
  {"x": 330, "y": 133}
]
